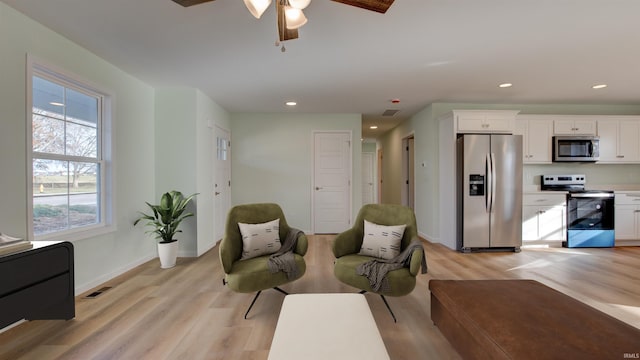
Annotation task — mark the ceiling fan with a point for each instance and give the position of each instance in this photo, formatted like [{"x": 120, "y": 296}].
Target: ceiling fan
[{"x": 289, "y": 12}]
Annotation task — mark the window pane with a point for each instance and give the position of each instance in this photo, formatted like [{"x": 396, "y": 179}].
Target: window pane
[
  {"x": 82, "y": 140},
  {"x": 47, "y": 134},
  {"x": 81, "y": 107},
  {"x": 221, "y": 145},
  {"x": 65, "y": 195},
  {"x": 83, "y": 195},
  {"x": 66, "y": 126},
  {"x": 50, "y": 196},
  {"x": 48, "y": 98}
]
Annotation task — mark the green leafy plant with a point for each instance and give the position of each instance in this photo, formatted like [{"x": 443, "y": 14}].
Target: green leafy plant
[{"x": 167, "y": 216}]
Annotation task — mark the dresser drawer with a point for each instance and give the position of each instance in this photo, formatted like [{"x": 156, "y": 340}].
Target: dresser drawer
[
  {"x": 52, "y": 299},
  {"x": 31, "y": 267}
]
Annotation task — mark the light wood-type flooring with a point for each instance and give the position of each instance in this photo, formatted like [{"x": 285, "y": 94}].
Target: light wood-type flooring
[{"x": 186, "y": 312}]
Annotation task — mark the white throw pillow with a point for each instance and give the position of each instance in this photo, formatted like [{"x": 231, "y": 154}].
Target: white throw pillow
[
  {"x": 260, "y": 239},
  {"x": 382, "y": 241}
]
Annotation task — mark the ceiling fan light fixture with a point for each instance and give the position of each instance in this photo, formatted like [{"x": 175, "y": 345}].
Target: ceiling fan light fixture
[
  {"x": 294, "y": 17},
  {"x": 257, "y": 7},
  {"x": 299, "y": 4}
]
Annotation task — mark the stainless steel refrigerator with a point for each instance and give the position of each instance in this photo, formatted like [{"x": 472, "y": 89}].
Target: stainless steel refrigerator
[{"x": 489, "y": 192}]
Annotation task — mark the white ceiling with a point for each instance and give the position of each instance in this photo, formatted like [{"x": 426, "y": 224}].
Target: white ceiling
[{"x": 349, "y": 60}]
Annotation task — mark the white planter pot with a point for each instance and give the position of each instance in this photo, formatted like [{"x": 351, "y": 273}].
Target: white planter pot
[{"x": 168, "y": 253}]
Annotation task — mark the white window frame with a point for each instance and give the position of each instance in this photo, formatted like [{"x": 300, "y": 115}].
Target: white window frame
[{"x": 105, "y": 154}]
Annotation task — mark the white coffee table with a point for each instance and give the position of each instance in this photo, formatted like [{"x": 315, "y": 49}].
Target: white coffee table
[{"x": 326, "y": 326}]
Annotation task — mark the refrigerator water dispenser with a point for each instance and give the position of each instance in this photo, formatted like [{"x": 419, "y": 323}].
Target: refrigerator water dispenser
[{"x": 476, "y": 185}]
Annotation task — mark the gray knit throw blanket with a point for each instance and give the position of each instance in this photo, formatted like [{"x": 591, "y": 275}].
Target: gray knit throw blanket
[
  {"x": 283, "y": 259},
  {"x": 376, "y": 270}
]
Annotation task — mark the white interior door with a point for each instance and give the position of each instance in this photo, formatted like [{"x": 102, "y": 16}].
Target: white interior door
[
  {"x": 332, "y": 182},
  {"x": 222, "y": 180},
  {"x": 367, "y": 178}
]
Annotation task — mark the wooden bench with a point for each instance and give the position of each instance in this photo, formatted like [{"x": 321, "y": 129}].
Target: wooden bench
[
  {"x": 524, "y": 319},
  {"x": 326, "y": 327}
]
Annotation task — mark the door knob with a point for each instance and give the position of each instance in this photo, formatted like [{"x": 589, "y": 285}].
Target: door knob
[
  {"x": 318, "y": 188},
  {"x": 217, "y": 193}
]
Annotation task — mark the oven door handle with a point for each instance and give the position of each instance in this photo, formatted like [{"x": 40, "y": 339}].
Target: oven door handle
[{"x": 592, "y": 195}]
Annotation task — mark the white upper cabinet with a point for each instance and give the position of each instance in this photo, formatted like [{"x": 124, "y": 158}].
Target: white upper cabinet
[
  {"x": 574, "y": 125},
  {"x": 537, "y": 133},
  {"x": 619, "y": 140},
  {"x": 485, "y": 121}
]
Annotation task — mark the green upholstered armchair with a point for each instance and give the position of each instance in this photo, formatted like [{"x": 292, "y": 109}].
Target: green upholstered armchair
[
  {"x": 346, "y": 247},
  {"x": 251, "y": 275}
]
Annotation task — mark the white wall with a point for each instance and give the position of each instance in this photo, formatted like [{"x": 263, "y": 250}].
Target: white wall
[
  {"x": 272, "y": 160},
  {"x": 424, "y": 128},
  {"x": 185, "y": 120},
  {"x": 99, "y": 258},
  {"x": 175, "y": 167}
]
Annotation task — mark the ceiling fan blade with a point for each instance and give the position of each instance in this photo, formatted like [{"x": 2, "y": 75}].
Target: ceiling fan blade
[
  {"x": 285, "y": 34},
  {"x": 187, "y": 3},
  {"x": 380, "y": 6}
]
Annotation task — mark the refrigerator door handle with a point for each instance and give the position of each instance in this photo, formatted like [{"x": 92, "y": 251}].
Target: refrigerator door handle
[
  {"x": 493, "y": 180},
  {"x": 489, "y": 193}
]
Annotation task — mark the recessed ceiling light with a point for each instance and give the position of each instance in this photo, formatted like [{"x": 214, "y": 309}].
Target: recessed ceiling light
[
  {"x": 373, "y": 127},
  {"x": 505, "y": 85},
  {"x": 56, "y": 103},
  {"x": 291, "y": 103},
  {"x": 599, "y": 86}
]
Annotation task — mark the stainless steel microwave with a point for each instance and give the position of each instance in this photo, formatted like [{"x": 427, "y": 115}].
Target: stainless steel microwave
[{"x": 576, "y": 148}]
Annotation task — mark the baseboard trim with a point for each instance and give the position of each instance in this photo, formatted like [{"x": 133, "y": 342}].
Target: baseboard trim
[
  {"x": 188, "y": 253},
  {"x": 79, "y": 289},
  {"x": 429, "y": 238}
]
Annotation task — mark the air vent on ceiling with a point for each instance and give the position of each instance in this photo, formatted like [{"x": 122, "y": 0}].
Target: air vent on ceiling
[{"x": 389, "y": 112}]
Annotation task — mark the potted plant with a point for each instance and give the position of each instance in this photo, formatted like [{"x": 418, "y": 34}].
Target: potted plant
[{"x": 165, "y": 220}]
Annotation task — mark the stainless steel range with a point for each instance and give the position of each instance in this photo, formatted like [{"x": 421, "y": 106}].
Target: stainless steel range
[{"x": 590, "y": 213}]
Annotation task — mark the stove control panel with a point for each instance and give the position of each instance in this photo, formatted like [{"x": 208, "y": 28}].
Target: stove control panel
[{"x": 563, "y": 182}]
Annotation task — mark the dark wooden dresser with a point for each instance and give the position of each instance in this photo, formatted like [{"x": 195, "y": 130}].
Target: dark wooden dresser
[{"x": 37, "y": 284}]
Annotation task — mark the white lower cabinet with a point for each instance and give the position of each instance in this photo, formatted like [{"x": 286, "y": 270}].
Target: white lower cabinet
[
  {"x": 627, "y": 216},
  {"x": 544, "y": 217}
]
